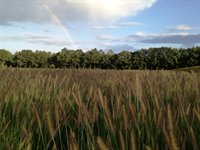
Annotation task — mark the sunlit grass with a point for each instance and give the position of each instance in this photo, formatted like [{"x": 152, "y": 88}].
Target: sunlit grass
[{"x": 99, "y": 109}]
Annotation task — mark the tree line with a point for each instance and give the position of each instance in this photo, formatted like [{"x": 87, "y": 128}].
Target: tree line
[{"x": 153, "y": 58}]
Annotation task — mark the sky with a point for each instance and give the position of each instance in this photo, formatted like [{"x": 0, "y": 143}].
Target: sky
[{"x": 104, "y": 24}]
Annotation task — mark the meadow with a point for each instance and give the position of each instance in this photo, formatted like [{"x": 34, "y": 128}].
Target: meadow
[{"x": 99, "y": 109}]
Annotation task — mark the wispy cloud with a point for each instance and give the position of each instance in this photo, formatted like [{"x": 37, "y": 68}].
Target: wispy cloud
[
  {"x": 40, "y": 39},
  {"x": 180, "y": 28},
  {"x": 108, "y": 38},
  {"x": 99, "y": 27},
  {"x": 130, "y": 23},
  {"x": 119, "y": 25}
]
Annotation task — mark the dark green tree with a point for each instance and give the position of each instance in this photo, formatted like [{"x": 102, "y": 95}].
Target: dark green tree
[
  {"x": 189, "y": 57},
  {"x": 152, "y": 58},
  {"x": 75, "y": 58},
  {"x": 139, "y": 59},
  {"x": 162, "y": 58},
  {"x": 41, "y": 59},
  {"x": 5, "y": 57},
  {"x": 93, "y": 58},
  {"x": 105, "y": 62},
  {"x": 123, "y": 60},
  {"x": 24, "y": 58}
]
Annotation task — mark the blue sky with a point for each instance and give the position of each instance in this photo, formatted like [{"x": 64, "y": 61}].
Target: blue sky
[{"x": 103, "y": 24}]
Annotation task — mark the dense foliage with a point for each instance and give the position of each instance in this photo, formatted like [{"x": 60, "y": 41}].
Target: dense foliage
[
  {"x": 5, "y": 57},
  {"x": 152, "y": 58},
  {"x": 45, "y": 109}
]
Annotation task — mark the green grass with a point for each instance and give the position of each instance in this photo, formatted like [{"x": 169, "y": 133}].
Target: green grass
[
  {"x": 98, "y": 109},
  {"x": 190, "y": 69}
]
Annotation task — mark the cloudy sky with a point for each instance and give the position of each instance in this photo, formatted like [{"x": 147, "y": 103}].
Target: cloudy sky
[{"x": 104, "y": 24}]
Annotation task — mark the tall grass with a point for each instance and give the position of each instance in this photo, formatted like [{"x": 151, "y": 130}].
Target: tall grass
[{"x": 98, "y": 109}]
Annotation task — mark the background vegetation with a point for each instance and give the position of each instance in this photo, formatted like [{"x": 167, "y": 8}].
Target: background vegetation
[
  {"x": 99, "y": 109},
  {"x": 152, "y": 58}
]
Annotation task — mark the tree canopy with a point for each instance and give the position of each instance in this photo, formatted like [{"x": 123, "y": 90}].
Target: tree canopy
[
  {"x": 5, "y": 56},
  {"x": 152, "y": 58}
]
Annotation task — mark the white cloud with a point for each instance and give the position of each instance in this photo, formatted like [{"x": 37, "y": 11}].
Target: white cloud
[
  {"x": 38, "y": 39},
  {"x": 109, "y": 38},
  {"x": 130, "y": 23},
  {"x": 183, "y": 28},
  {"x": 47, "y": 11},
  {"x": 180, "y": 28},
  {"x": 99, "y": 27},
  {"x": 120, "y": 25},
  {"x": 144, "y": 35}
]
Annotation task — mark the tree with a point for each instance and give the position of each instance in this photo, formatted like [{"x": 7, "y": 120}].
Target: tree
[
  {"x": 162, "y": 58},
  {"x": 197, "y": 51},
  {"x": 152, "y": 58},
  {"x": 41, "y": 59},
  {"x": 189, "y": 57},
  {"x": 105, "y": 61},
  {"x": 123, "y": 60},
  {"x": 5, "y": 57},
  {"x": 25, "y": 58},
  {"x": 139, "y": 59},
  {"x": 93, "y": 58},
  {"x": 75, "y": 61},
  {"x": 67, "y": 59}
]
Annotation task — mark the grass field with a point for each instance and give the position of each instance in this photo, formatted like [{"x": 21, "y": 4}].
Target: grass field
[
  {"x": 190, "y": 69},
  {"x": 98, "y": 109}
]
